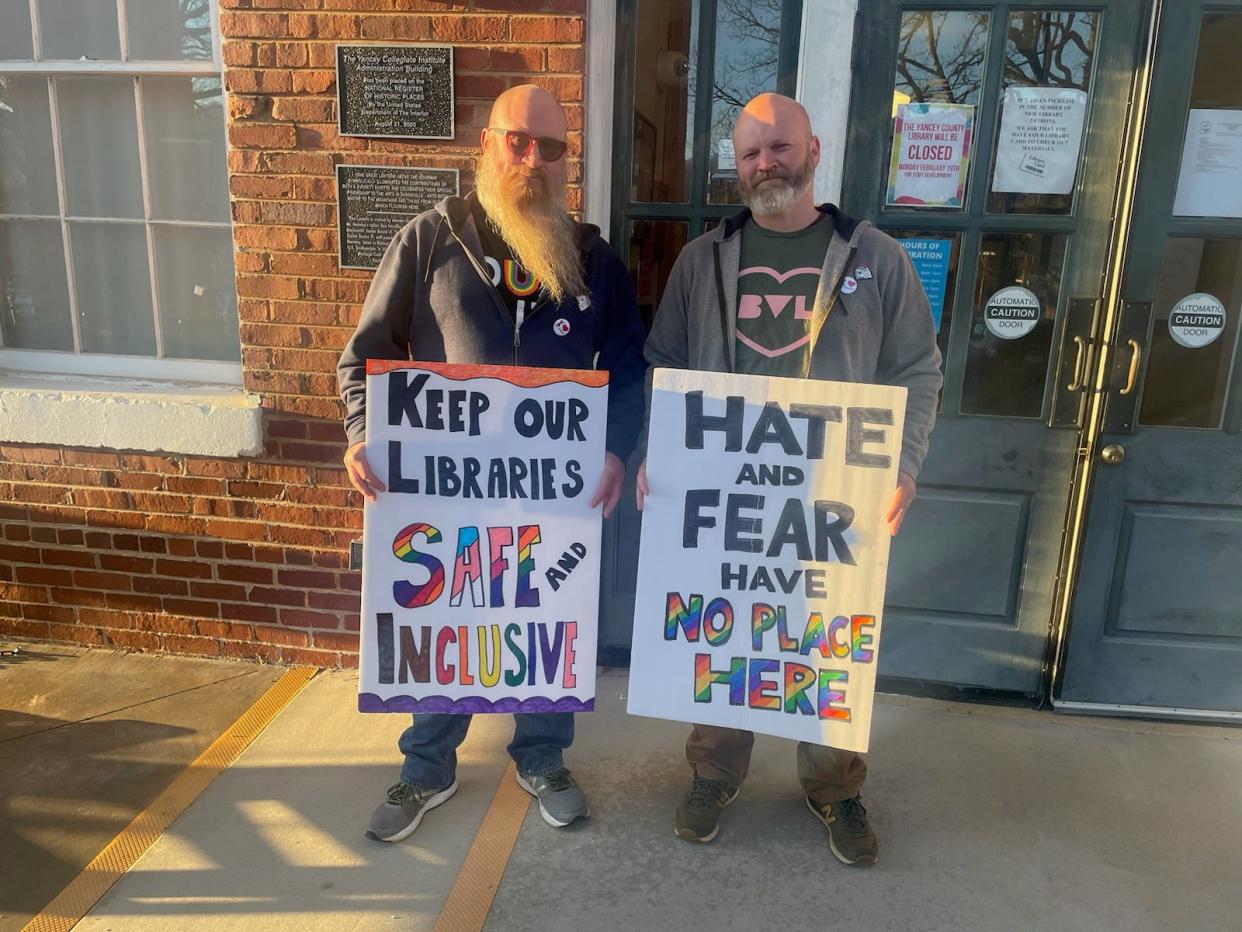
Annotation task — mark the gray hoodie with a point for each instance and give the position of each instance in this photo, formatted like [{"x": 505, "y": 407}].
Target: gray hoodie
[{"x": 881, "y": 333}]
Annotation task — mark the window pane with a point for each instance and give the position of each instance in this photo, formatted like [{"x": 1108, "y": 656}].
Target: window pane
[
  {"x": 1015, "y": 305},
  {"x": 99, "y": 136},
  {"x": 748, "y": 37},
  {"x": 654, "y": 245},
  {"x": 940, "y": 57},
  {"x": 1192, "y": 349},
  {"x": 36, "y": 293},
  {"x": 27, "y": 167},
  {"x": 73, "y": 29},
  {"x": 168, "y": 30},
  {"x": 940, "y": 60},
  {"x": 15, "y": 41},
  {"x": 184, "y": 120},
  {"x": 198, "y": 299},
  {"x": 1048, "y": 59},
  {"x": 663, "y": 99},
  {"x": 113, "y": 285}
]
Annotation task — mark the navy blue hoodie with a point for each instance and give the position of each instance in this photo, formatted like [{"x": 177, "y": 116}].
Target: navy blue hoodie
[{"x": 432, "y": 300}]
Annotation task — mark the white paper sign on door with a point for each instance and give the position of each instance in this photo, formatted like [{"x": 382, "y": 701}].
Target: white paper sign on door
[
  {"x": 1210, "y": 182},
  {"x": 764, "y": 553},
  {"x": 1040, "y": 135},
  {"x": 480, "y": 579}
]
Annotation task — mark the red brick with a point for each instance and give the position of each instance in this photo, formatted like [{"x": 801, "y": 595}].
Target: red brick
[
  {"x": 259, "y": 25},
  {"x": 181, "y": 644},
  {"x": 283, "y": 636},
  {"x": 469, "y": 28},
  {"x": 46, "y": 612},
  {"x": 306, "y": 579},
  {"x": 215, "y": 590},
  {"x": 244, "y": 573},
  {"x": 79, "y": 597},
  {"x": 183, "y": 568},
  {"x": 222, "y": 629},
  {"x": 115, "y": 582},
  {"x": 125, "y": 564},
  {"x": 545, "y": 29},
  {"x": 312, "y": 658},
  {"x": 269, "y": 596},
  {"x": 249, "y": 650},
  {"x": 78, "y": 558},
  {"x": 159, "y": 585},
  {"x": 14, "y": 627},
  {"x": 300, "y": 618},
  {"x": 193, "y": 607},
  {"x": 211, "y": 549},
  {"x": 243, "y": 611},
  {"x": 78, "y": 633},
  {"x": 331, "y": 640},
  {"x": 332, "y": 601},
  {"x": 180, "y": 547}
]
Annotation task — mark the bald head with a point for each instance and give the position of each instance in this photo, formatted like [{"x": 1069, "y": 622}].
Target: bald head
[
  {"x": 529, "y": 109},
  {"x": 775, "y": 112}
]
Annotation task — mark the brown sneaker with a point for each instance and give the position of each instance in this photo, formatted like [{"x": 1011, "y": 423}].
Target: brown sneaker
[
  {"x": 698, "y": 813},
  {"x": 849, "y": 834}
]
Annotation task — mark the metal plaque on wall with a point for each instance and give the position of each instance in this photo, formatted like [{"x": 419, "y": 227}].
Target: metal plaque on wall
[
  {"x": 395, "y": 91},
  {"x": 375, "y": 201}
]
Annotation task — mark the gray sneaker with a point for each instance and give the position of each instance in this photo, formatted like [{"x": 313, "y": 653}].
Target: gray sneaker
[
  {"x": 561, "y": 801},
  {"x": 399, "y": 814}
]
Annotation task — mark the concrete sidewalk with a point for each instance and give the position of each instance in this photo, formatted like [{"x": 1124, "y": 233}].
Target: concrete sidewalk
[{"x": 988, "y": 819}]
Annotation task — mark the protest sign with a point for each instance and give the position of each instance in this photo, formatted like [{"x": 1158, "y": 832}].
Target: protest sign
[
  {"x": 764, "y": 552},
  {"x": 480, "y": 579},
  {"x": 931, "y": 155}
]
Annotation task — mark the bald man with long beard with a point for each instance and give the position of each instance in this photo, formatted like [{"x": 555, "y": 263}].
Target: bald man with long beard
[
  {"x": 854, "y": 311},
  {"x": 502, "y": 276}
]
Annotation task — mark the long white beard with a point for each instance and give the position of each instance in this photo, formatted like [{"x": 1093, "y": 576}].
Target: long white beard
[{"x": 533, "y": 222}]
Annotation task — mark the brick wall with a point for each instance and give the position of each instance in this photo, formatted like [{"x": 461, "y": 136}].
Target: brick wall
[{"x": 249, "y": 557}]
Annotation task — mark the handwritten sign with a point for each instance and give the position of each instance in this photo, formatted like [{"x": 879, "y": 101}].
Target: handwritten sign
[
  {"x": 931, "y": 155},
  {"x": 764, "y": 553},
  {"x": 480, "y": 581}
]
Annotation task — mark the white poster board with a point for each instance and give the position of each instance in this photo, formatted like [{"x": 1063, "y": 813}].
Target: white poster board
[
  {"x": 1040, "y": 135},
  {"x": 1210, "y": 181},
  {"x": 764, "y": 553},
  {"x": 480, "y": 578},
  {"x": 930, "y": 160}
]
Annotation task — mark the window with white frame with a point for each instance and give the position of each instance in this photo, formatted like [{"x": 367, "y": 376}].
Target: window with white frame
[{"x": 116, "y": 250}]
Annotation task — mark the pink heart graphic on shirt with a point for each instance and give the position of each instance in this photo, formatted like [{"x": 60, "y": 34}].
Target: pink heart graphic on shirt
[{"x": 751, "y": 309}]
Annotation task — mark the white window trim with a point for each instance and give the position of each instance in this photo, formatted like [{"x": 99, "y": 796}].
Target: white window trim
[
  {"x": 824, "y": 86},
  {"x": 601, "y": 57},
  {"x": 178, "y": 406}
]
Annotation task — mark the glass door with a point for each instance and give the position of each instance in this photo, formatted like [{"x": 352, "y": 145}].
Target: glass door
[
  {"x": 1157, "y": 615},
  {"x": 685, "y": 68},
  {"x": 986, "y": 138}
]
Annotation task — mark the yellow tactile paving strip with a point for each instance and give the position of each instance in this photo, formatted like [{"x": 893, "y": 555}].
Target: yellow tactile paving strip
[
  {"x": 120, "y": 854},
  {"x": 470, "y": 899}
]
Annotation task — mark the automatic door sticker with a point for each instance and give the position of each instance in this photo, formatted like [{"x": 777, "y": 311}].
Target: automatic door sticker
[
  {"x": 1011, "y": 313},
  {"x": 1197, "y": 320}
]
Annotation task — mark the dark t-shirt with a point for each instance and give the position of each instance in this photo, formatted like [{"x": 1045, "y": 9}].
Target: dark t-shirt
[
  {"x": 518, "y": 288},
  {"x": 776, "y": 287}
]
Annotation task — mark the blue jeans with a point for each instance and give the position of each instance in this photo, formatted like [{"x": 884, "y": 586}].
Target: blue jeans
[{"x": 430, "y": 745}]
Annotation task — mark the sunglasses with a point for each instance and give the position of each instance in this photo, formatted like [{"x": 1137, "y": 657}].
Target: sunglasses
[{"x": 550, "y": 150}]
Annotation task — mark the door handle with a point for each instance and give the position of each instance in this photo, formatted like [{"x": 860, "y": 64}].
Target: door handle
[
  {"x": 1136, "y": 356},
  {"x": 1113, "y": 454},
  {"x": 1080, "y": 355}
]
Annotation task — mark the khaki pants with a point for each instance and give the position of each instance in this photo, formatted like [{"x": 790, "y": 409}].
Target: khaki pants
[{"x": 828, "y": 775}]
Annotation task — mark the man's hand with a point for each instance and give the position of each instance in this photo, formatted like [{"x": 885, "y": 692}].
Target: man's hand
[
  {"x": 360, "y": 474},
  {"x": 641, "y": 489},
  {"x": 608, "y": 492},
  {"x": 903, "y": 495}
]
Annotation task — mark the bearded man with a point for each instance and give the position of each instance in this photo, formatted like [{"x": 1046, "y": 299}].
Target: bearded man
[
  {"x": 803, "y": 291},
  {"x": 502, "y": 276}
]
